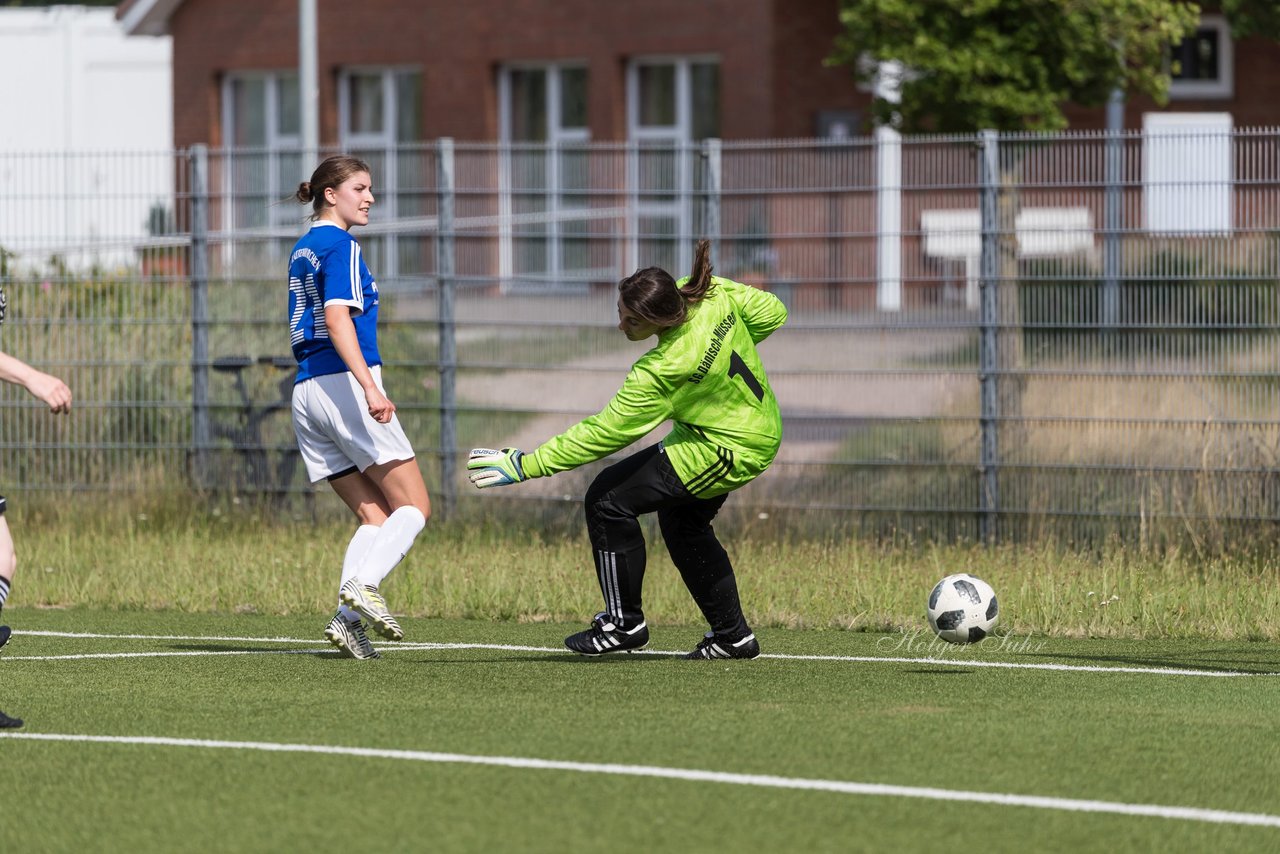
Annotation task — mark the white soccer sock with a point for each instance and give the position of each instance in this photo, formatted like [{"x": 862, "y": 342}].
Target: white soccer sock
[
  {"x": 357, "y": 549},
  {"x": 393, "y": 542}
]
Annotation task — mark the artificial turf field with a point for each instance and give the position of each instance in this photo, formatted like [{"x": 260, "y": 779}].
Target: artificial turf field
[{"x": 242, "y": 733}]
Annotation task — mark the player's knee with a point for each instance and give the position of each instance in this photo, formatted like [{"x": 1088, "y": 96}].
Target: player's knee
[
  {"x": 591, "y": 507},
  {"x": 371, "y": 514},
  {"x": 595, "y": 493},
  {"x": 411, "y": 518},
  {"x": 605, "y": 509}
]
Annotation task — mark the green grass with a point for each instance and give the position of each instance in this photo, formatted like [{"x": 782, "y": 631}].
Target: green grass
[
  {"x": 1138, "y": 738},
  {"x": 228, "y": 559}
]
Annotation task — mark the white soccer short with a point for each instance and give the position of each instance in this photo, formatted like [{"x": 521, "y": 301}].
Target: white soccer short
[{"x": 335, "y": 430}]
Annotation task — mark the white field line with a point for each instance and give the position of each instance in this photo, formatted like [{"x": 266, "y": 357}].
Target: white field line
[
  {"x": 694, "y": 775},
  {"x": 411, "y": 646},
  {"x": 165, "y": 654},
  {"x": 222, "y": 638}
]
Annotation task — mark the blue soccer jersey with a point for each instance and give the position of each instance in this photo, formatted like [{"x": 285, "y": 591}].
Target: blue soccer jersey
[{"x": 327, "y": 268}]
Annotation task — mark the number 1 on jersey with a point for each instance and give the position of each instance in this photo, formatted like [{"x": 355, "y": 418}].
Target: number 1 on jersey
[{"x": 738, "y": 368}]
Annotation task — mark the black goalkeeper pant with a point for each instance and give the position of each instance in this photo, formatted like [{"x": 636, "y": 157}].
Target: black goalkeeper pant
[{"x": 646, "y": 483}]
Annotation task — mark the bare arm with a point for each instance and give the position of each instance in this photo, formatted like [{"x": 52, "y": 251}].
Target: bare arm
[
  {"x": 46, "y": 387},
  {"x": 342, "y": 332}
]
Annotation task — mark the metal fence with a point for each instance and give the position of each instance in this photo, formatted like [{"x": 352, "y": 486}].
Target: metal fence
[{"x": 990, "y": 337}]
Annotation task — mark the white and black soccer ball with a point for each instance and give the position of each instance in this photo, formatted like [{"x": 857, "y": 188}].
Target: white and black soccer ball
[{"x": 962, "y": 608}]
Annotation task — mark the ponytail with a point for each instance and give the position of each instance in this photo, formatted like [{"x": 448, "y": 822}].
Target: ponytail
[
  {"x": 699, "y": 285},
  {"x": 651, "y": 293}
]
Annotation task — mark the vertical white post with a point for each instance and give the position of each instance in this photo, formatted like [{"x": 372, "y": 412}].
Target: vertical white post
[
  {"x": 711, "y": 188},
  {"x": 889, "y": 219},
  {"x": 889, "y": 195},
  {"x": 308, "y": 84}
]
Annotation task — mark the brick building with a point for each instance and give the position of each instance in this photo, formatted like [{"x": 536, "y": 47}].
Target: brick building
[
  {"x": 733, "y": 68},
  {"x": 662, "y": 73},
  {"x": 489, "y": 69}
]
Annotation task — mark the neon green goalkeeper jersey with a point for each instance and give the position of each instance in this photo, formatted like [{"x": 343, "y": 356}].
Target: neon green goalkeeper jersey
[{"x": 703, "y": 375}]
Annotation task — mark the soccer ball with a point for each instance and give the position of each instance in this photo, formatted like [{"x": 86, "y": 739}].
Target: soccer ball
[{"x": 962, "y": 608}]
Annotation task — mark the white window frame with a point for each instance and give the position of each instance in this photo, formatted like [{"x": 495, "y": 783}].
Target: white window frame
[
  {"x": 383, "y": 140},
  {"x": 385, "y": 137},
  {"x": 556, "y": 132},
  {"x": 275, "y": 140},
  {"x": 557, "y": 136},
  {"x": 274, "y": 144},
  {"x": 1224, "y": 86},
  {"x": 680, "y": 135}
]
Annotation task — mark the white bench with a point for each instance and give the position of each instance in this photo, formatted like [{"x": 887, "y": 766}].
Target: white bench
[{"x": 956, "y": 235}]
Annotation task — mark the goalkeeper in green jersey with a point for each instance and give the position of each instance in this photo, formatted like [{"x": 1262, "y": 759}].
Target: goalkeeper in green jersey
[{"x": 705, "y": 376}]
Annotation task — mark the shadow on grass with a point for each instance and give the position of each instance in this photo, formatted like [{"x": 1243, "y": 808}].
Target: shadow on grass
[
  {"x": 1209, "y": 661},
  {"x": 956, "y": 670},
  {"x": 564, "y": 658},
  {"x": 208, "y": 647}
]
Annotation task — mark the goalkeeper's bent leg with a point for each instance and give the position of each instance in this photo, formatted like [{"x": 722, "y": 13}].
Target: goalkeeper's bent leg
[
  {"x": 640, "y": 484},
  {"x": 704, "y": 564}
]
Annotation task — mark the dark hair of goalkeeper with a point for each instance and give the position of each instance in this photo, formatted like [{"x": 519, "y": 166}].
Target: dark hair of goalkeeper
[{"x": 651, "y": 293}]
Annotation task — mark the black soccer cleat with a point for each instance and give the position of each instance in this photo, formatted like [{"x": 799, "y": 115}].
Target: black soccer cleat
[
  {"x": 606, "y": 636},
  {"x": 713, "y": 646},
  {"x": 7, "y": 722},
  {"x": 5, "y": 633}
]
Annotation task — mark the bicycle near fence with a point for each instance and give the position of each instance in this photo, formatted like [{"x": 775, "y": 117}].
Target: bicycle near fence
[{"x": 252, "y": 450}]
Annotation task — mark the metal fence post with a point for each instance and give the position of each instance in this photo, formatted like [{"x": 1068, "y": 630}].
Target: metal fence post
[
  {"x": 989, "y": 338},
  {"x": 1113, "y": 213},
  {"x": 711, "y": 199},
  {"x": 200, "y": 435},
  {"x": 448, "y": 341}
]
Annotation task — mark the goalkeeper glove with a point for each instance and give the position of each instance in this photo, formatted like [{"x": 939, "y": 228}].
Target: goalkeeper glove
[{"x": 495, "y": 468}]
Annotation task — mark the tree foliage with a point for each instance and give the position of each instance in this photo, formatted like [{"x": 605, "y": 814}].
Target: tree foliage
[
  {"x": 1011, "y": 64},
  {"x": 1253, "y": 17}
]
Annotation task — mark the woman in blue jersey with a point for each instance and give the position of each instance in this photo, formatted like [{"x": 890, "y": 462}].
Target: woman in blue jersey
[
  {"x": 57, "y": 396},
  {"x": 346, "y": 425},
  {"x": 705, "y": 376}
]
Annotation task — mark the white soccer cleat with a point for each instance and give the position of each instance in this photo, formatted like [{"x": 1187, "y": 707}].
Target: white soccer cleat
[
  {"x": 368, "y": 602},
  {"x": 349, "y": 638}
]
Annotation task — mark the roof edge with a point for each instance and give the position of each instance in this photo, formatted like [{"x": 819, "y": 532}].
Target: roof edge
[{"x": 146, "y": 17}]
